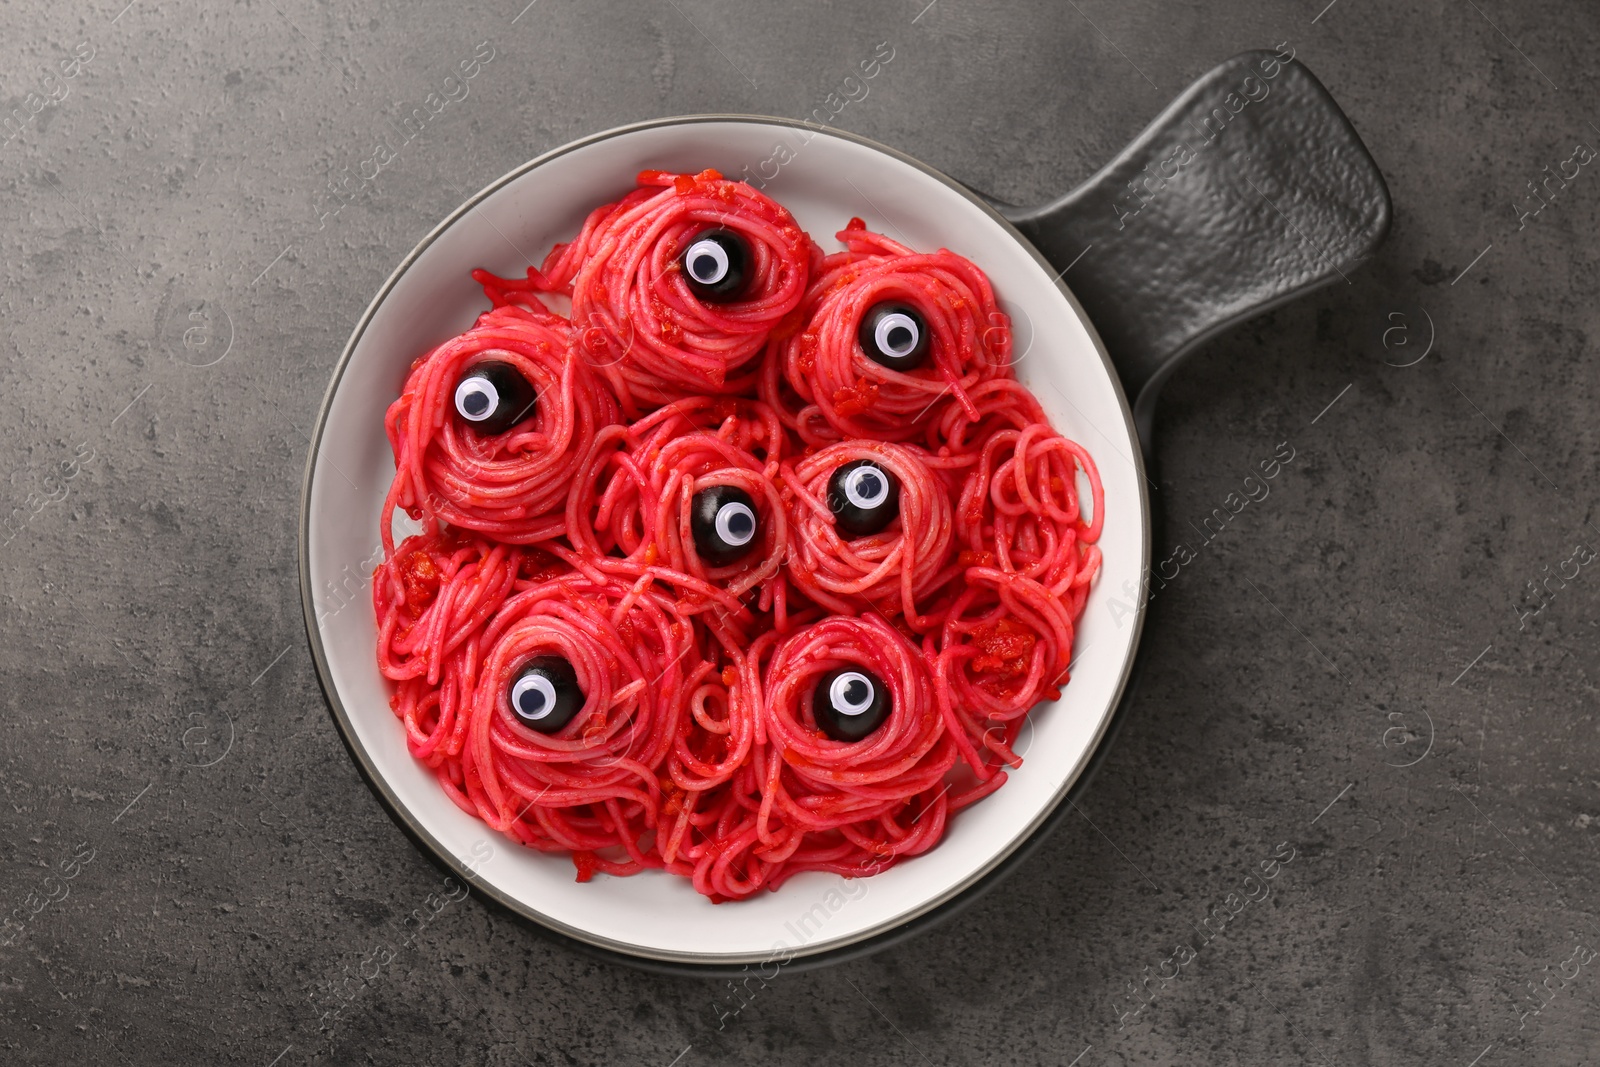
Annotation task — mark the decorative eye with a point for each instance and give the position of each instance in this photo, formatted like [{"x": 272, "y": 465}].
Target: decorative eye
[
  {"x": 863, "y": 497},
  {"x": 894, "y": 335},
  {"x": 493, "y": 396},
  {"x": 724, "y": 522},
  {"x": 850, "y": 703},
  {"x": 545, "y": 695},
  {"x": 715, "y": 265}
]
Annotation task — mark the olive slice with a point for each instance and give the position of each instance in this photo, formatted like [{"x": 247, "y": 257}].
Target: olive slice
[
  {"x": 894, "y": 335},
  {"x": 545, "y": 694},
  {"x": 716, "y": 265},
  {"x": 850, "y": 703},
  {"x": 864, "y": 498},
  {"x": 724, "y": 523},
  {"x": 493, "y": 396}
]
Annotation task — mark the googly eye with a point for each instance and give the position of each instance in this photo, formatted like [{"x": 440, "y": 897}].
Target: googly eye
[
  {"x": 867, "y": 487},
  {"x": 724, "y": 523},
  {"x": 864, "y": 498},
  {"x": 545, "y": 695},
  {"x": 715, "y": 265},
  {"x": 852, "y": 693},
  {"x": 894, "y": 335},
  {"x": 850, "y": 703},
  {"x": 897, "y": 335},
  {"x": 493, "y": 396},
  {"x": 533, "y": 697},
  {"x": 707, "y": 262},
  {"x": 476, "y": 398},
  {"x": 736, "y": 524}
]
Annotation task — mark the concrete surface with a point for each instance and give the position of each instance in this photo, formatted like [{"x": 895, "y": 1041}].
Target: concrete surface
[{"x": 1351, "y": 675}]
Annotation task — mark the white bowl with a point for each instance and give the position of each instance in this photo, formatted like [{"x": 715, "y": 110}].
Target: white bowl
[{"x": 824, "y": 178}]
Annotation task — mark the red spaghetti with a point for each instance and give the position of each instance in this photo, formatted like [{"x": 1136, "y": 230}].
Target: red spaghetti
[
  {"x": 889, "y": 571},
  {"x": 793, "y": 615},
  {"x": 715, "y": 796},
  {"x": 432, "y": 598},
  {"x": 1030, "y": 553},
  {"x": 850, "y": 806},
  {"x": 852, "y": 381},
  {"x": 510, "y": 485},
  {"x": 590, "y": 787},
  {"x": 636, "y": 496},
  {"x": 1019, "y": 506},
  {"x": 642, "y": 321}
]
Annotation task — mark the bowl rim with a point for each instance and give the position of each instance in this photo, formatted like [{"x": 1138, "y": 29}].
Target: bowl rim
[{"x": 886, "y": 931}]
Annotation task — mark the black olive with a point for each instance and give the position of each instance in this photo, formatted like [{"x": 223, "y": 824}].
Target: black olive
[
  {"x": 724, "y": 522},
  {"x": 850, "y": 703},
  {"x": 545, "y": 695},
  {"x": 894, "y": 335},
  {"x": 863, "y": 497},
  {"x": 715, "y": 265},
  {"x": 493, "y": 396}
]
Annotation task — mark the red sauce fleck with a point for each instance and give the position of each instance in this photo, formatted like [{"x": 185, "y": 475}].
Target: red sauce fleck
[
  {"x": 807, "y": 359},
  {"x": 854, "y": 399},
  {"x": 586, "y": 863},
  {"x": 674, "y": 795},
  {"x": 714, "y": 748},
  {"x": 1006, "y": 648},
  {"x": 856, "y": 223},
  {"x": 540, "y": 566},
  {"x": 729, "y": 676},
  {"x": 420, "y": 578},
  {"x": 683, "y": 184},
  {"x": 969, "y": 558}
]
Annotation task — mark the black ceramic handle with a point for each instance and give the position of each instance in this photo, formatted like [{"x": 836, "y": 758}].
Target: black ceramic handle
[{"x": 1249, "y": 190}]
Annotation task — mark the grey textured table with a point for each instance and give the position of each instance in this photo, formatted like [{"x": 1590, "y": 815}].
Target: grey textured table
[{"x": 1352, "y": 674}]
